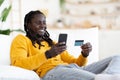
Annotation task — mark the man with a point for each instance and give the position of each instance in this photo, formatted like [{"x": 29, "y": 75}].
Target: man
[{"x": 37, "y": 51}]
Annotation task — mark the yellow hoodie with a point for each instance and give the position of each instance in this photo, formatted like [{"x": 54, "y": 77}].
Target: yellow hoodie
[{"x": 23, "y": 54}]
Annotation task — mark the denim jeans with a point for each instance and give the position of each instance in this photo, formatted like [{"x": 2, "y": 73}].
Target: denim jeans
[{"x": 109, "y": 65}]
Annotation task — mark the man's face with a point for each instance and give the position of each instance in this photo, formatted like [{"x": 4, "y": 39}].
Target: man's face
[{"x": 38, "y": 25}]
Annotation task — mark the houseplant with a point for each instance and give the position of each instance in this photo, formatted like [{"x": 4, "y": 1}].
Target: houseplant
[
  {"x": 62, "y": 5},
  {"x": 4, "y": 14}
]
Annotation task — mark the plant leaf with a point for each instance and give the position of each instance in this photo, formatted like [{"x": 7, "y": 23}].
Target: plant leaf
[
  {"x": 8, "y": 31},
  {"x": 18, "y": 30},
  {"x": 1, "y": 1},
  {"x": 5, "y": 13},
  {"x": 62, "y": 5},
  {"x": 5, "y": 32}
]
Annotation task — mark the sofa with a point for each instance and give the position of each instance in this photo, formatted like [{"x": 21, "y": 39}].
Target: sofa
[{"x": 8, "y": 72}]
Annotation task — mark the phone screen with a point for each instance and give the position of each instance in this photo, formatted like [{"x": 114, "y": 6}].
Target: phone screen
[{"x": 62, "y": 38}]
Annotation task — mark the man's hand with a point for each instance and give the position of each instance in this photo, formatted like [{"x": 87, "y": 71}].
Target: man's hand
[
  {"x": 56, "y": 49},
  {"x": 86, "y": 49}
]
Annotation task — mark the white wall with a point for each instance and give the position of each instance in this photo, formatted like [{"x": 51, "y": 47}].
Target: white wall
[{"x": 51, "y": 6}]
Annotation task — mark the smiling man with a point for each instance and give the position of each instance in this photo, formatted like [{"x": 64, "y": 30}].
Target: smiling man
[{"x": 50, "y": 60}]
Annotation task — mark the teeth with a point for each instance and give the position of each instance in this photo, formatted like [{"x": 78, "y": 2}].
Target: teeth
[{"x": 41, "y": 30}]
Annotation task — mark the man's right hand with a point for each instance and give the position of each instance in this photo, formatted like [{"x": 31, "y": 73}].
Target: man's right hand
[{"x": 56, "y": 50}]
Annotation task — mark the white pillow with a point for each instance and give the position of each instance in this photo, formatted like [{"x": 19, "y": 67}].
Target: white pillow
[
  {"x": 16, "y": 73},
  {"x": 5, "y": 42},
  {"x": 107, "y": 77},
  {"x": 88, "y": 35}
]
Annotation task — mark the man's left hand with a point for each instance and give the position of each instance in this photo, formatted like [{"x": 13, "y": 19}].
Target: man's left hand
[{"x": 86, "y": 49}]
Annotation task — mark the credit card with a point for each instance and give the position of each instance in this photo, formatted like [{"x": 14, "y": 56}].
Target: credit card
[{"x": 78, "y": 42}]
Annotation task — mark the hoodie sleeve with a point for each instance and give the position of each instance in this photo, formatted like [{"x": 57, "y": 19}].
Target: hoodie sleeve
[
  {"x": 81, "y": 61},
  {"x": 21, "y": 55}
]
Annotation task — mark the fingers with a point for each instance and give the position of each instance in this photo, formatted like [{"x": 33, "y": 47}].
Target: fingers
[
  {"x": 58, "y": 48},
  {"x": 86, "y": 45},
  {"x": 86, "y": 51},
  {"x": 86, "y": 48},
  {"x": 61, "y": 48},
  {"x": 61, "y": 43}
]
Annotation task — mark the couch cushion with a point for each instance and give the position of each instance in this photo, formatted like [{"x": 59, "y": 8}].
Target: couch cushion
[
  {"x": 107, "y": 77},
  {"x": 16, "y": 73},
  {"x": 5, "y": 42},
  {"x": 88, "y": 35}
]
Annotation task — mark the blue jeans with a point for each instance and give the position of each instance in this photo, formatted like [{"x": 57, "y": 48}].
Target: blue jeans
[{"x": 109, "y": 65}]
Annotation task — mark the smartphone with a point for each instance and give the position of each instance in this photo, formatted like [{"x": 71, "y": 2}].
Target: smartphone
[
  {"x": 78, "y": 42},
  {"x": 62, "y": 38}
]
